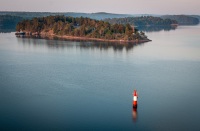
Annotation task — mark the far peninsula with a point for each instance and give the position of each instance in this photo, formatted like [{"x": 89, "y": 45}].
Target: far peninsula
[{"x": 80, "y": 28}]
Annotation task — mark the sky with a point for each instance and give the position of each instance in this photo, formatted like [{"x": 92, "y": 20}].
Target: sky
[{"x": 110, "y": 6}]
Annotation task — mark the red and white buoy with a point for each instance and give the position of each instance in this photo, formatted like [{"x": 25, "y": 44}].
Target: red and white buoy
[{"x": 135, "y": 96}]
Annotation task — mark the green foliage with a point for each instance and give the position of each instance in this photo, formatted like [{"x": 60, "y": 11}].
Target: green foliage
[
  {"x": 142, "y": 21},
  {"x": 81, "y": 27},
  {"x": 182, "y": 19},
  {"x": 128, "y": 30},
  {"x": 9, "y": 22}
]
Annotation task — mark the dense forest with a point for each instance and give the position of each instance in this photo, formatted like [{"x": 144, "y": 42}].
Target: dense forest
[
  {"x": 79, "y": 27},
  {"x": 156, "y": 28},
  {"x": 9, "y": 22},
  {"x": 182, "y": 19},
  {"x": 142, "y": 21}
]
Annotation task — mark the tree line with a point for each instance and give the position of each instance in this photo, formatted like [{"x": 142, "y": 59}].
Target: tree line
[
  {"x": 9, "y": 22},
  {"x": 183, "y": 19},
  {"x": 143, "y": 21},
  {"x": 79, "y": 26}
]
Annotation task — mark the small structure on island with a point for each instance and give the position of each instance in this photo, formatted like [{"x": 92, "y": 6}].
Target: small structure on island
[{"x": 20, "y": 33}]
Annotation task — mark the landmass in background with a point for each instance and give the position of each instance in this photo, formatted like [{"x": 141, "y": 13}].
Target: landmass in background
[{"x": 9, "y": 20}]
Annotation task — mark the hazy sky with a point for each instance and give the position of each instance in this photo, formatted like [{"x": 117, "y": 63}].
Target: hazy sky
[{"x": 112, "y": 6}]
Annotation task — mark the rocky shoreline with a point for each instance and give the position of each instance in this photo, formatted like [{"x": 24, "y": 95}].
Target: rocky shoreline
[{"x": 65, "y": 37}]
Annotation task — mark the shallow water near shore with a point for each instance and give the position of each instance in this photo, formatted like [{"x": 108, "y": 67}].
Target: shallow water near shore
[{"x": 69, "y": 85}]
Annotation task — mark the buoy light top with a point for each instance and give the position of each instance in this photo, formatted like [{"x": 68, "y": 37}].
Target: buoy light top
[{"x": 135, "y": 93}]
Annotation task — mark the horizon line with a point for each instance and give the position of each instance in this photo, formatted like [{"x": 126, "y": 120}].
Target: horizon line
[{"x": 96, "y": 12}]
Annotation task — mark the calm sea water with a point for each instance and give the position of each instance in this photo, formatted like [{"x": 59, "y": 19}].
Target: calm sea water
[{"x": 66, "y": 85}]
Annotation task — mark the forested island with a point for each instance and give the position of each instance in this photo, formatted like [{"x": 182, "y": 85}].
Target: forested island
[
  {"x": 183, "y": 19},
  {"x": 80, "y": 28},
  {"x": 143, "y": 21}
]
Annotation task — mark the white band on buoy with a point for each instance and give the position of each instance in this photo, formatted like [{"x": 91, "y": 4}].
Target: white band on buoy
[{"x": 135, "y": 98}]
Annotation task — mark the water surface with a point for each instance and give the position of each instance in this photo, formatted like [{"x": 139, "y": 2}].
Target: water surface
[{"x": 67, "y": 85}]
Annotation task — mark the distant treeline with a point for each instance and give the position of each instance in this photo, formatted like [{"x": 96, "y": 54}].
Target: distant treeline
[
  {"x": 183, "y": 19},
  {"x": 156, "y": 28},
  {"x": 142, "y": 21},
  {"x": 81, "y": 27},
  {"x": 9, "y": 22},
  {"x": 97, "y": 16},
  {"x": 195, "y": 16}
]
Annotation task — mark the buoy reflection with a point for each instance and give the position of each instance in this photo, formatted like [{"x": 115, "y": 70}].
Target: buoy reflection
[{"x": 134, "y": 114}]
